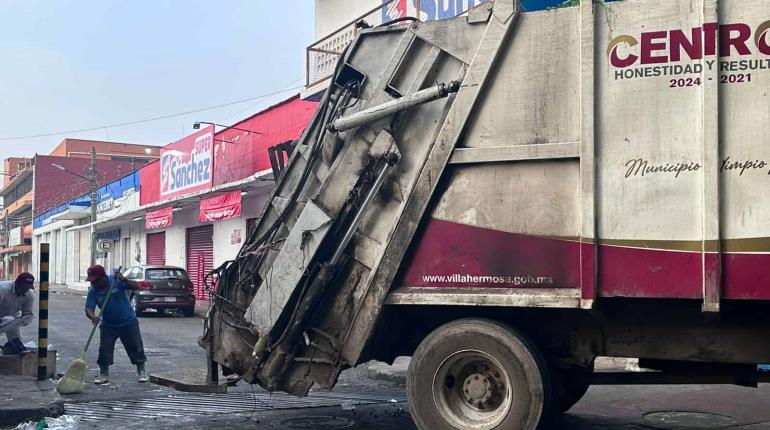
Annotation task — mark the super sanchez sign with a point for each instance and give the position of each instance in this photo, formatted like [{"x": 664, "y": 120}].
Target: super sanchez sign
[{"x": 186, "y": 165}]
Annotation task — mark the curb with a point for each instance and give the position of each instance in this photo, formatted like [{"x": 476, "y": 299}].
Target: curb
[
  {"x": 395, "y": 374},
  {"x": 51, "y": 406},
  {"x": 64, "y": 289}
]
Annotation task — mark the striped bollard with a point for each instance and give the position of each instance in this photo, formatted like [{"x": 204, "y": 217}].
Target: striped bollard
[{"x": 42, "y": 330}]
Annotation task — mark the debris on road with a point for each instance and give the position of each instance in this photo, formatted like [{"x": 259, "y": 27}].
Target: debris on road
[{"x": 64, "y": 422}]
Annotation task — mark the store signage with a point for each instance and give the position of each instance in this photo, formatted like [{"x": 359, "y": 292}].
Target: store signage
[
  {"x": 186, "y": 166},
  {"x": 223, "y": 206},
  {"x": 235, "y": 237},
  {"x": 105, "y": 205},
  {"x": 14, "y": 237},
  {"x": 108, "y": 234},
  {"x": 160, "y": 218},
  {"x": 429, "y": 10}
]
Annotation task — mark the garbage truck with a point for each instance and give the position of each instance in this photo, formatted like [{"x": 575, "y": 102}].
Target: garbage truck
[{"x": 506, "y": 196}]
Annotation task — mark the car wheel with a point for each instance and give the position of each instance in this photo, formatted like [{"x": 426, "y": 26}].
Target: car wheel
[
  {"x": 135, "y": 305},
  {"x": 478, "y": 374},
  {"x": 188, "y": 312}
]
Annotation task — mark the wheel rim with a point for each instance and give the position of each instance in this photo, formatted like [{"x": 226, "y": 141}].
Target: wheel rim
[
  {"x": 472, "y": 390},
  {"x": 133, "y": 303}
]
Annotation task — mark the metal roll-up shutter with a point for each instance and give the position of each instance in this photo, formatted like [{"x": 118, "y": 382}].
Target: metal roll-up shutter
[
  {"x": 127, "y": 261},
  {"x": 156, "y": 248},
  {"x": 85, "y": 253},
  {"x": 200, "y": 257},
  {"x": 117, "y": 260}
]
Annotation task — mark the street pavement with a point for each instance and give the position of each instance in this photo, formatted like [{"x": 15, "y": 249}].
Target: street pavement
[{"x": 357, "y": 402}]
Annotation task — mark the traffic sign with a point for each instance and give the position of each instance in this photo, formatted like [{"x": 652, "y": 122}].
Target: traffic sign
[{"x": 105, "y": 245}]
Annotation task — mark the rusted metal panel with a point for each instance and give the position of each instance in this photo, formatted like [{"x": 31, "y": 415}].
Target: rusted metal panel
[
  {"x": 480, "y": 72},
  {"x": 289, "y": 266},
  {"x": 588, "y": 199},
  {"x": 189, "y": 381},
  {"x": 335, "y": 318},
  {"x": 524, "y": 297},
  {"x": 496, "y": 154},
  {"x": 724, "y": 343}
]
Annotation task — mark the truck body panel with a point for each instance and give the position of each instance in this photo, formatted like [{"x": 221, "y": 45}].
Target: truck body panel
[
  {"x": 555, "y": 159},
  {"x": 510, "y": 215}
]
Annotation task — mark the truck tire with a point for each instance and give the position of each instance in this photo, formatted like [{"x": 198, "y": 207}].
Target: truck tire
[{"x": 477, "y": 374}]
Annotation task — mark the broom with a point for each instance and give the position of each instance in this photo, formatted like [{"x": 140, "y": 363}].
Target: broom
[{"x": 72, "y": 382}]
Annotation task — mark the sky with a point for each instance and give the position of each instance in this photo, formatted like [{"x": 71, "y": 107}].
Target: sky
[{"x": 77, "y": 64}]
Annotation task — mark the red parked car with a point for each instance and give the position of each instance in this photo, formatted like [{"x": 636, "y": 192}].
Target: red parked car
[{"x": 161, "y": 288}]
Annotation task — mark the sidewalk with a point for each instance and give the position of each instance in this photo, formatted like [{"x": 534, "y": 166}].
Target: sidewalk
[
  {"x": 23, "y": 399},
  {"x": 76, "y": 289},
  {"x": 395, "y": 373}
]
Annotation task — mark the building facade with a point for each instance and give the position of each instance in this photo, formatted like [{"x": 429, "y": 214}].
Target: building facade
[
  {"x": 192, "y": 208},
  {"x": 16, "y": 217},
  {"x": 128, "y": 152},
  {"x": 34, "y": 186},
  {"x": 66, "y": 228}
]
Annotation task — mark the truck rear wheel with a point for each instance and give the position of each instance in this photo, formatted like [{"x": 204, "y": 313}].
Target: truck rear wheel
[{"x": 477, "y": 374}]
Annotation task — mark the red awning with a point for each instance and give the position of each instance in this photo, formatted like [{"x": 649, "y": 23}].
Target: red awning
[
  {"x": 16, "y": 249},
  {"x": 223, "y": 206},
  {"x": 159, "y": 218}
]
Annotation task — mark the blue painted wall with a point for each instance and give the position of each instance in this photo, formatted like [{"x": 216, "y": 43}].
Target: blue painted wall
[{"x": 112, "y": 190}]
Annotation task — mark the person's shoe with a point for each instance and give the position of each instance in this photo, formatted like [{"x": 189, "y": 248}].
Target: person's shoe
[
  {"x": 101, "y": 380},
  {"x": 141, "y": 377}
]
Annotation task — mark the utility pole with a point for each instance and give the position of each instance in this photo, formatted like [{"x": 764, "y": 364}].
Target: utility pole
[
  {"x": 92, "y": 188},
  {"x": 6, "y": 260}
]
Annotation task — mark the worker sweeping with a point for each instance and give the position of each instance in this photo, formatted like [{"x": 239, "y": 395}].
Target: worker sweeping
[
  {"x": 16, "y": 301},
  {"x": 72, "y": 382},
  {"x": 118, "y": 321}
]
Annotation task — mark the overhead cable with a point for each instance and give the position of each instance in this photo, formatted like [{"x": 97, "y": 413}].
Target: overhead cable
[{"x": 157, "y": 118}]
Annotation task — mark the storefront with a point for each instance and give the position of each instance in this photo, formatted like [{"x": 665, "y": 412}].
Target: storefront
[
  {"x": 67, "y": 230},
  {"x": 200, "y": 221},
  {"x": 193, "y": 208},
  {"x": 200, "y": 257},
  {"x": 198, "y": 236}
]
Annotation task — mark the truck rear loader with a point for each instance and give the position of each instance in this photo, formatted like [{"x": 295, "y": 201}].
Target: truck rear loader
[{"x": 505, "y": 196}]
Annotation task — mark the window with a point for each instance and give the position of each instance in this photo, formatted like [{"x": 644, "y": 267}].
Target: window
[
  {"x": 19, "y": 191},
  {"x": 165, "y": 274}
]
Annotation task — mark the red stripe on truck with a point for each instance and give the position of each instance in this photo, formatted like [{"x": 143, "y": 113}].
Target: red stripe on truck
[
  {"x": 649, "y": 273},
  {"x": 449, "y": 254}
]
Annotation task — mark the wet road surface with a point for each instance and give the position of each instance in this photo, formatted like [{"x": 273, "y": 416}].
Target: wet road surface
[{"x": 357, "y": 402}]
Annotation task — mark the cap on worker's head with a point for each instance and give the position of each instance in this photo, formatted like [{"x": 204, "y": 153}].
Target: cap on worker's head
[
  {"x": 25, "y": 278},
  {"x": 95, "y": 272}
]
